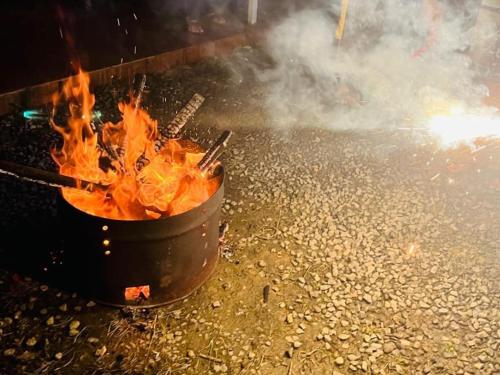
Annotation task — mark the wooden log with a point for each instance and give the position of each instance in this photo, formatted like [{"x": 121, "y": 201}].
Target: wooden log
[
  {"x": 174, "y": 127},
  {"x": 46, "y": 178},
  {"x": 215, "y": 151},
  {"x": 183, "y": 116},
  {"x": 106, "y": 149}
]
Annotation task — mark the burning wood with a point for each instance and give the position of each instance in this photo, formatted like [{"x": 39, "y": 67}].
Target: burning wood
[
  {"x": 140, "y": 91},
  {"x": 214, "y": 152},
  {"x": 171, "y": 182},
  {"x": 180, "y": 120},
  {"x": 107, "y": 150},
  {"x": 174, "y": 127},
  {"x": 184, "y": 115},
  {"x": 47, "y": 178}
]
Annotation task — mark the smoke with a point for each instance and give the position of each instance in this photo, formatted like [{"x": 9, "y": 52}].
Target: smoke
[{"x": 399, "y": 62}]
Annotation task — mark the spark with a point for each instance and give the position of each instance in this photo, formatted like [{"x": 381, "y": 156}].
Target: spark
[
  {"x": 135, "y": 50},
  {"x": 118, "y": 22},
  {"x": 61, "y": 32},
  {"x": 411, "y": 250},
  {"x": 121, "y": 60},
  {"x": 126, "y": 31},
  {"x": 435, "y": 176},
  {"x": 479, "y": 149},
  {"x": 135, "y": 17}
]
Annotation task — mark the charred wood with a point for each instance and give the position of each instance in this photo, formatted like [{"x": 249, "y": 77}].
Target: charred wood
[{"x": 215, "y": 151}]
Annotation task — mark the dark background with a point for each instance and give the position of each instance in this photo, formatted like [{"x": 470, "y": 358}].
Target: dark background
[{"x": 33, "y": 51}]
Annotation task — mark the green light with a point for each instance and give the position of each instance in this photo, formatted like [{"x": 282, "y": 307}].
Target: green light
[{"x": 31, "y": 114}]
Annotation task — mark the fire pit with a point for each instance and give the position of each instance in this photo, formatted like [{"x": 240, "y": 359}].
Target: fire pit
[
  {"x": 140, "y": 208},
  {"x": 144, "y": 262}
]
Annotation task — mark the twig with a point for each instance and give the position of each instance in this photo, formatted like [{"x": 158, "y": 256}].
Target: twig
[
  {"x": 312, "y": 352},
  {"x": 79, "y": 333},
  {"x": 290, "y": 367},
  {"x": 62, "y": 323},
  {"x": 66, "y": 364},
  {"x": 307, "y": 271},
  {"x": 271, "y": 236},
  {"x": 210, "y": 358},
  {"x": 275, "y": 228}
]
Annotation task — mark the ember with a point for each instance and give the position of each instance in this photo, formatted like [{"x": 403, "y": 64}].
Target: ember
[{"x": 171, "y": 183}]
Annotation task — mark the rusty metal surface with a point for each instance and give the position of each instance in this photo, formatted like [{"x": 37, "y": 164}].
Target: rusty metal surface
[{"x": 173, "y": 256}]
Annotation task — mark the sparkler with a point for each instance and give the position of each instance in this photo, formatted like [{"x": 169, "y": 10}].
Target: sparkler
[
  {"x": 41, "y": 115},
  {"x": 35, "y": 114},
  {"x": 461, "y": 127}
]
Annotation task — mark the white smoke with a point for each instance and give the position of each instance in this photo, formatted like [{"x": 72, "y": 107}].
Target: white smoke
[{"x": 373, "y": 78}]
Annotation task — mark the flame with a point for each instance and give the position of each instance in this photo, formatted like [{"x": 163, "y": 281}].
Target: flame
[
  {"x": 459, "y": 126},
  {"x": 134, "y": 292},
  {"x": 169, "y": 185}
]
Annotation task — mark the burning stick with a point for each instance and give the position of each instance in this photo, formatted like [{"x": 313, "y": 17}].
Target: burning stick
[
  {"x": 140, "y": 91},
  {"x": 43, "y": 177},
  {"x": 180, "y": 120},
  {"x": 184, "y": 115},
  {"x": 174, "y": 127},
  {"x": 214, "y": 152}
]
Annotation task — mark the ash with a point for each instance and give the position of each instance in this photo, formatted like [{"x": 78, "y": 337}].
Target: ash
[{"x": 374, "y": 264}]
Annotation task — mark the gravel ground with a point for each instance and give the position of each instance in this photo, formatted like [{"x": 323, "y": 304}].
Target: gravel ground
[{"x": 345, "y": 254}]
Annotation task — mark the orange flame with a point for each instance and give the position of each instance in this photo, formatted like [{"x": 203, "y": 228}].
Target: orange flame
[
  {"x": 169, "y": 185},
  {"x": 134, "y": 292}
]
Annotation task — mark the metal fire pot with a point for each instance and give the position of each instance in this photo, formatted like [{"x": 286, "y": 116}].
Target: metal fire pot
[{"x": 142, "y": 263}]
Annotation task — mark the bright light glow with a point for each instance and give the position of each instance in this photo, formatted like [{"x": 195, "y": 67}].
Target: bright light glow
[
  {"x": 460, "y": 127},
  {"x": 33, "y": 114}
]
